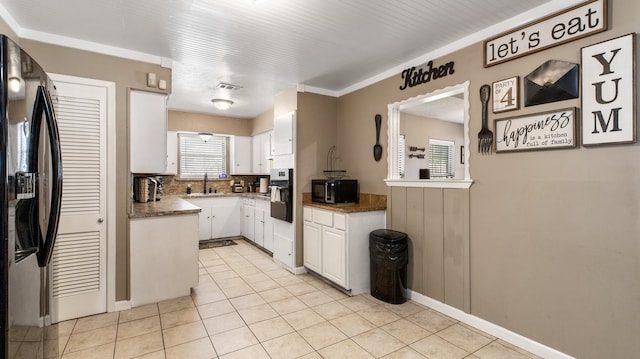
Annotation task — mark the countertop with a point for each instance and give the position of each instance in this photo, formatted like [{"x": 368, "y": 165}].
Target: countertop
[
  {"x": 167, "y": 206},
  {"x": 172, "y": 205},
  {"x": 368, "y": 202}
]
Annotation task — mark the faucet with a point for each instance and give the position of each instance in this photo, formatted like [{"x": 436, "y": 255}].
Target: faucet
[{"x": 204, "y": 188}]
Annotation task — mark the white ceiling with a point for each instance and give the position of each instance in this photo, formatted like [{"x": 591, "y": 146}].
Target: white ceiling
[{"x": 328, "y": 46}]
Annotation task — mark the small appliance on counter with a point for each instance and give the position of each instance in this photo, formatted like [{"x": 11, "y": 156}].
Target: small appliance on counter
[
  {"x": 335, "y": 191},
  {"x": 147, "y": 189},
  {"x": 281, "y": 184},
  {"x": 238, "y": 187}
]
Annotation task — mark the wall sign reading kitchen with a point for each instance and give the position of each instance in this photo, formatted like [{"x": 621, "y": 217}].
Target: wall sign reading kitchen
[
  {"x": 548, "y": 130},
  {"x": 568, "y": 25},
  {"x": 413, "y": 77}
]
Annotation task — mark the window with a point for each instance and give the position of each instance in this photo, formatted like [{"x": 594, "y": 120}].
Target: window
[
  {"x": 441, "y": 158},
  {"x": 197, "y": 157}
]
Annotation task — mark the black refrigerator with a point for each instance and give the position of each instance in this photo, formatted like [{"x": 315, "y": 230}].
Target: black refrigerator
[{"x": 30, "y": 196}]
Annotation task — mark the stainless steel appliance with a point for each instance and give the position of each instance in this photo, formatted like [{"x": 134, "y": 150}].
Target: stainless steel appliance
[
  {"x": 30, "y": 195},
  {"x": 281, "y": 183},
  {"x": 335, "y": 191}
]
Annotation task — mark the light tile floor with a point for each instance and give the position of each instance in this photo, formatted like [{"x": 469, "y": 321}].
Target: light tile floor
[{"x": 246, "y": 306}]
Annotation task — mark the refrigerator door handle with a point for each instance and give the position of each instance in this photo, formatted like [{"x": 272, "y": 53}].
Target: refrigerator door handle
[{"x": 44, "y": 105}]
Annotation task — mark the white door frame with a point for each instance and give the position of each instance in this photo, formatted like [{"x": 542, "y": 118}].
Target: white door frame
[{"x": 111, "y": 176}]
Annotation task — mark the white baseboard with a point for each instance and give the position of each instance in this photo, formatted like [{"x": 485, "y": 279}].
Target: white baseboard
[
  {"x": 122, "y": 305},
  {"x": 300, "y": 270},
  {"x": 488, "y": 327}
]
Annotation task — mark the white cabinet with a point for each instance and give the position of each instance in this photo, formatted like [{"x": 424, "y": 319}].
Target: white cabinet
[
  {"x": 261, "y": 153},
  {"x": 248, "y": 213},
  {"x": 240, "y": 159},
  {"x": 172, "y": 153},
  {"x": 257, "y": 223},
  {"x": 283, "y": 130},
  {"x": 268, "y": 231},
  {"x": 283, "y": 249},
  {"x": 336, "y": 245},
  {"x": 312, "y": 242},
  {"x": 164, "y": 257},
  {"x": 148, "y": 132},
  {"x": 220, "y": 217},
  {"x": 334, "y": 251}
]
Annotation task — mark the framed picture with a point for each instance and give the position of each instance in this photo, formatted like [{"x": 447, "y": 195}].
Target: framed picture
[
  {"x": 609, "y": 91},
  {"x": 506, "y": 94},
  {"x": 539, "y": 131}
]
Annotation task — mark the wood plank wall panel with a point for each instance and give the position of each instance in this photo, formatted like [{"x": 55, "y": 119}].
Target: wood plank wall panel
[
  {"x": 399, "y": 209},
  {"x": 437, "y": 223},
  {"x": 456, "y": 238},
  {"x": 433, "y": 254},
  {"x": 415, "y": 231}
]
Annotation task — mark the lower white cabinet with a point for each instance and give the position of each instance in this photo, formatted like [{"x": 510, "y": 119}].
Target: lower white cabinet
[
  {"x": 257, "y": 223},
  {"x": 219, "y": 218},
  {"x": 163, "y": 257},
  {"x": 248, "y": 218},
  {"x": 336, "y": 245}
]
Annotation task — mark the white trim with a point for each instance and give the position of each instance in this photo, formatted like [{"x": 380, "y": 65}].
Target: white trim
[
  {"x": 93, "y": 47},
  {"x": 121, "y": 305},
  {"x": 81, "y": 44},
  {"x": 429, "y": 183},
  {"x": 488, "y": 327},
  {"x": 393, "y": 130},
  {"x": 526, "y": 17},
  {"x": 300, "y": 270},
  {"x": 111, "y": 176},
  {"x": 10, "y": 20}
]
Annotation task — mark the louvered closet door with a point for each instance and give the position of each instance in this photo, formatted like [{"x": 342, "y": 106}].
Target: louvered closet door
[{"x": 78, "y": 267}]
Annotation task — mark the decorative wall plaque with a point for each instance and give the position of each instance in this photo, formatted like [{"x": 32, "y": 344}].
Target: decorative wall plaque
[{"x": 609, "y": 91}]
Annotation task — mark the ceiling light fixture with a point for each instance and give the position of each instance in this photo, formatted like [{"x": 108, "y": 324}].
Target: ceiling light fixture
[
  {"x": 222, "y": 104},
  {"x": 205, "y": 136}
]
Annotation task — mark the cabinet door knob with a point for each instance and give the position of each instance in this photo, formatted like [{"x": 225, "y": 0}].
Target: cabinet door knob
[{"x": 100, "y": 220}]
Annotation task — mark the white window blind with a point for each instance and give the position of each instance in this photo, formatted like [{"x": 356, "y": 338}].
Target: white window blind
[
  {"x": 198, "y": 157},
  {"x": 441, "y": 158},
  {"x": 401, "y": 153}
]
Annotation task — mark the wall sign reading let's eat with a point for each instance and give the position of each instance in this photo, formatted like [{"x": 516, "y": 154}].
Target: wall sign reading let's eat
[{"x": 568, "y": 25}]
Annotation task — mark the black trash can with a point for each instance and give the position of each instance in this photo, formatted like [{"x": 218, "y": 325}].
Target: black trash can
[{"x": 389, "y": 256}]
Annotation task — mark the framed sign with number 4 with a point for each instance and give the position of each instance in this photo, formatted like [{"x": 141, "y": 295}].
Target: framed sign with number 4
[{"x": 506, "y": 95}]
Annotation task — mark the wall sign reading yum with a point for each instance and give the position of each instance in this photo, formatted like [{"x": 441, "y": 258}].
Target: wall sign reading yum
[
  {"x": 413, "y": 77},
  {"x": 608, "y": 92}
]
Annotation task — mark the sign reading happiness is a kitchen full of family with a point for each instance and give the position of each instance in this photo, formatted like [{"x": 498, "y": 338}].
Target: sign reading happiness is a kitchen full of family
[{"x": 569, "y": 25}]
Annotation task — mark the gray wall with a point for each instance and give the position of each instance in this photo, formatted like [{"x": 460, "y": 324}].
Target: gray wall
[{"x": 554, "y": 236}]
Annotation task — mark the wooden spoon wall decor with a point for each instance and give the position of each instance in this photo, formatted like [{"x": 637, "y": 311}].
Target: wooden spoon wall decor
[{"x": 377, "y": 148}]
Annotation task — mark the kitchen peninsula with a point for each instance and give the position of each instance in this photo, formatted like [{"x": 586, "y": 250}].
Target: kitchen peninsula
[{"x": 163, "y": 250}]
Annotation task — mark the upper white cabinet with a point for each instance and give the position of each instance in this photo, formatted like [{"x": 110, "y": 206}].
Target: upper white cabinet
[
  {"x": 148, "y": 132},
  {"x": 261, "y": 153},
  {"x": 172, "y": 153},
  {"x": 240, "y": 160},
  {"x": 283, "y": 130}
]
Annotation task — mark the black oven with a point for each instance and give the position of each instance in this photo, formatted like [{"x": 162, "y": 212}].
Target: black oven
[{"x": 335, "y": 191}]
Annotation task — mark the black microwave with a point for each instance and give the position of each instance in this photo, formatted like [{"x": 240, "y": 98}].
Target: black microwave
[{"x": 335, "y": 191}]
